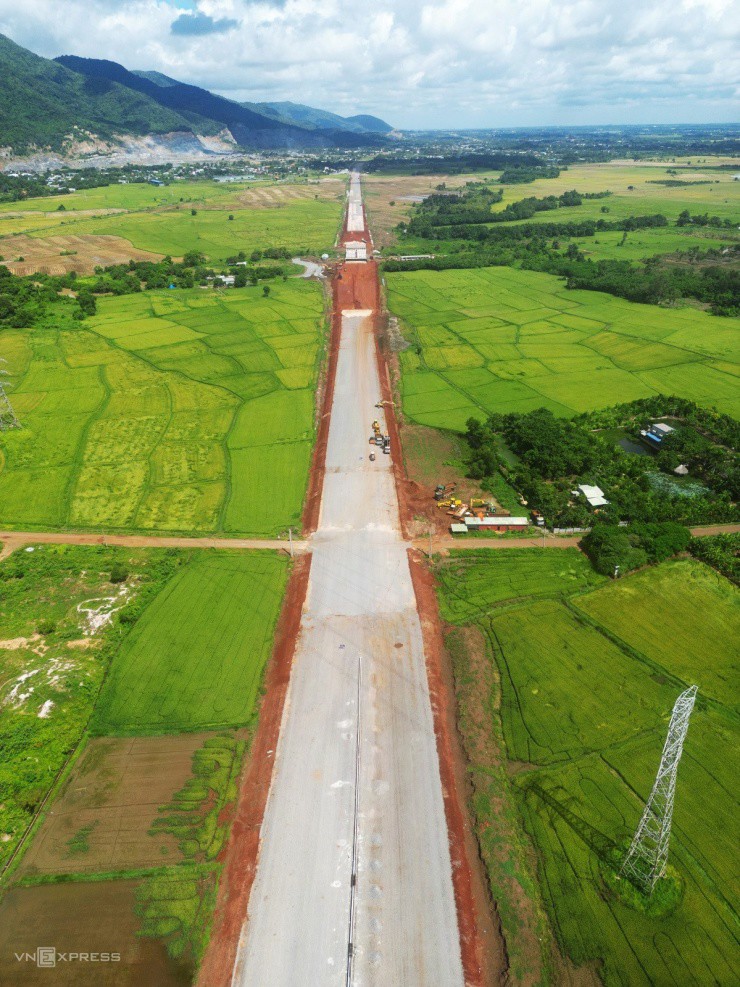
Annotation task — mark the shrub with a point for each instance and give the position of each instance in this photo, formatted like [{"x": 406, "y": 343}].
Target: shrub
[{"x": 118, "y": 574}]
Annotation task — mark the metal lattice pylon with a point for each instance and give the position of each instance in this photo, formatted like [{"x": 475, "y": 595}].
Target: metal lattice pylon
[
  {"x": 646, "y": 859},
  {"x": 7, "y": 415}
]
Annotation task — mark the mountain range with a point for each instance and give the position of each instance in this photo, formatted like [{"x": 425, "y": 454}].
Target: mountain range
[{"x": 69, "y": 102}]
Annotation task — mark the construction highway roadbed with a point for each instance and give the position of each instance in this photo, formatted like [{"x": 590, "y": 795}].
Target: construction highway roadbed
[{"x": 354, "y": 876}]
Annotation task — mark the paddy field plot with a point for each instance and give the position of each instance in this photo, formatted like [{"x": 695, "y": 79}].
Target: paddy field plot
[
  {"x": 164, "y": 678},
  {"x": 87, "y": 917},
  {"x": 137, "y": 804},
  {"x": 504, "y": 340},
  {"x": 103, "y": 815},
  {"x": 303, "y": 224},
  {"x": 585, "y": 684},
  {"x": 167, "y": 411},
  {"x": 57, "y": 255}
]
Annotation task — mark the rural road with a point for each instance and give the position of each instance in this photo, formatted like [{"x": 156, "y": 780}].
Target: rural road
[
  {"x": 356, "y": 785},
  {"x": 13, "y": 540}
]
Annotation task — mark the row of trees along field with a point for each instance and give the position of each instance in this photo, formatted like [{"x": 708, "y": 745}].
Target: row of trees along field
[
  {"x": 555, "y": 455},
  {"x": 484, "y": 239}
]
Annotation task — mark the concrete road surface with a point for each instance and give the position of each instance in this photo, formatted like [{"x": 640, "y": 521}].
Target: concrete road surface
[
  {"x": 355, "y": 215},
  {"x": 310, "y": 268},
  {"x": 359, "y": 653}
]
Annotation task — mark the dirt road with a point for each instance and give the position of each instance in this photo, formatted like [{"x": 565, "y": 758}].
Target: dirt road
[
  {"x": 13, "y": 540},
  {"x": 354, "y": 846}
]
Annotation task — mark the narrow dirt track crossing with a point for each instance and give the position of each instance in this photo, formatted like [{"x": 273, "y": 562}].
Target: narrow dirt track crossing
[{"x": 356, "y": 784}]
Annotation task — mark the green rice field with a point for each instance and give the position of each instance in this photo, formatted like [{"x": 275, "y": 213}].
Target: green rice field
[
  {"x": 164, "y": 678},
  {"x": 190, "y": 411},
  {"x": 299, "y": 225},
  {"x": 503, "y": 340},
  {"x": 586, "y": 680},
  {"x": 216, "y": 219},
  {"x": 136, "y": 195}
]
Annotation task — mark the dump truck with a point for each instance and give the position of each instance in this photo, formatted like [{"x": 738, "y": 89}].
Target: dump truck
[{"x": 387, "y": 445}]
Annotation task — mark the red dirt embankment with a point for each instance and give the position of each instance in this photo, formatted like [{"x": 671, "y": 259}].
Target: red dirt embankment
[
  {"x": 240, "y": 855},
  {"x": 312, "y": 507},
  {"x": 481, "y": 940}
]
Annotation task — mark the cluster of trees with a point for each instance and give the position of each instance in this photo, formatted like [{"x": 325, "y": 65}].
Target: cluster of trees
[
  {"x": 472, "y": 207},
  {"x": 722, "y": 428},
  {"x": 686, "y": 219},
  {"x": 615, "y": 550},
  {"x": 716, "y": 466},
  {"x": 468, "y": 206},
  {"x": 555, "y": 455},
  {"x": 128, "y": 278},
  {"x": 722, "y": 552},
  {"x": 514, "y": 175},
  {"x": 25, "y": 301},
  {"x": 526, "y": 208},
  {"x": 677, "y": 182},
  {"x": 657, "y": 283}
]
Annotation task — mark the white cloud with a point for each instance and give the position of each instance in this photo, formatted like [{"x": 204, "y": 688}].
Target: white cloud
[{"x": 446, "y": 63}]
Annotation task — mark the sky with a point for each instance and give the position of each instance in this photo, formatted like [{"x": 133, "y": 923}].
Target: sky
[{"x": 421, "y": 64}]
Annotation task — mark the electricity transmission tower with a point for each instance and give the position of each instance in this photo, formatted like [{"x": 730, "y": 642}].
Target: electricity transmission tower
[
  {"x": 7, "y": 415},
  {"x": 646, "y": 859}
]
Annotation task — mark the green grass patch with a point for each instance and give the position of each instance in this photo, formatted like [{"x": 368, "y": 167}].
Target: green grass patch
[
  {"x": 651, "y": 612},
  {"x": 79, "y": 843},
  {"x": 473, "y": 582},
  {"x": 195, "y": 659},
  {"x": 177, "y": 908},
  {"x": 194, "y": 816},
  {"x": 60, "y": 625}
]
